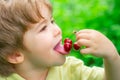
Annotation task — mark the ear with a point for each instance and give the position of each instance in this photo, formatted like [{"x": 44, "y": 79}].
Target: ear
[{"x": 15, "y": 58}]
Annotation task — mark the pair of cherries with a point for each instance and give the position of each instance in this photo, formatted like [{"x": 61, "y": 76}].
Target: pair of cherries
[{"x": 68, "y": 45}]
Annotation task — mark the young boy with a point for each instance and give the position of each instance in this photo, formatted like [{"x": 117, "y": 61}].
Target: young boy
[{"x": 31, "y": 49}]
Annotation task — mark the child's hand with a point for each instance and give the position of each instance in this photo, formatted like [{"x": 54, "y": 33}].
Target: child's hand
[{"x": 96, "y": 44}]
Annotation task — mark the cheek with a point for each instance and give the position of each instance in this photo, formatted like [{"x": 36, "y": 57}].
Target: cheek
[
  {"x": 43, "y": 44},
  {"x": 38, "y": 43}
]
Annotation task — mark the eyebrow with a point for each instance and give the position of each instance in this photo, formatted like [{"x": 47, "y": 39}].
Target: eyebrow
[{"x": 42, "y": 23}]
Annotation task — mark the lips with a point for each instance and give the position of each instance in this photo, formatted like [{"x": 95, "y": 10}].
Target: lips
[{"x": 60, "y": 48}]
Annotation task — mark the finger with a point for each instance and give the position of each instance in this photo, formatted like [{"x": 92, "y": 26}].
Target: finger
[
  {"x": 84, "y": 42},
  {"x": 85, "y": 51},
  {"x": 82, "y": 36},
  {"x": 85, "y": 31}
]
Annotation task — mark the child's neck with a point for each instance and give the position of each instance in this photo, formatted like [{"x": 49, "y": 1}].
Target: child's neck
[
  {"x": 29, "y": 74},
  {"x": 35, "y": 75}
]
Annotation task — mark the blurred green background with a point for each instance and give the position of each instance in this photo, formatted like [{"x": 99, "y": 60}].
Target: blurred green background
[{"x": 101, "y": 15}]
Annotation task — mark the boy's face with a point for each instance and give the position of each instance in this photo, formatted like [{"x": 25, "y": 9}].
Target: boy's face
[{"x": 41, "y": 40}]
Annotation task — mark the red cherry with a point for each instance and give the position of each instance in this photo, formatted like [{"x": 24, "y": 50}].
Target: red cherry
[
  {"x": 67, "y": 47},
  {"x": 76, "y": 46},
  {"x": 67, "y": 40}
]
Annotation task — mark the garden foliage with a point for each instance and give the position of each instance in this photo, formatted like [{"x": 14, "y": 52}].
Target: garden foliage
[{"x": 101, "y": 15}]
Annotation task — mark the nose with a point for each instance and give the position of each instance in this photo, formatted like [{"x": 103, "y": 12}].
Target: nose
[{"x": 56, "y": 31}]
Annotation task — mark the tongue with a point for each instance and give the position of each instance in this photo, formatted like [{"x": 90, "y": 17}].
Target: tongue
[{"x": 60, "y": 48}]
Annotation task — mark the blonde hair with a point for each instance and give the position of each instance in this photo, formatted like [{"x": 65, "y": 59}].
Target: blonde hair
[{"x": 15, "y": 17}]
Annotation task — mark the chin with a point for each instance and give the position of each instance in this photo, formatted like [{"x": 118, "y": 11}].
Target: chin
[{"x": 61, "y": 62}]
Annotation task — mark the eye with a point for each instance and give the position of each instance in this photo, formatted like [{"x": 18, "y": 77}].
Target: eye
[
  {"x": 43, "y": 28},
  {"x": 52, "y": 21}
]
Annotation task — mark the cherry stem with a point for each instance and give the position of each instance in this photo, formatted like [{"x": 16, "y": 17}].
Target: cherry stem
[{"x": 75, "y": 31}]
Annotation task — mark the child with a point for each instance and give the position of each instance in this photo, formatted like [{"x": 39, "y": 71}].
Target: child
[{"x": 31, "y": 49}]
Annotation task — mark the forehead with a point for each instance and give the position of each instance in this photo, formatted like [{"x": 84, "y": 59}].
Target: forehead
[{"x": 46, "y": 10}]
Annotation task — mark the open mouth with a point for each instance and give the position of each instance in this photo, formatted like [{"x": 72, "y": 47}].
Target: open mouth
[{"x": 60, "y": 48}]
